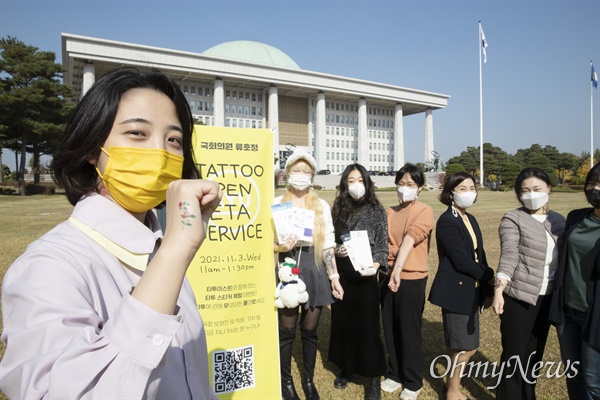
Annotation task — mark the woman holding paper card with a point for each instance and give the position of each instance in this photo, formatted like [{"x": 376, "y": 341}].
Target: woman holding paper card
[
  {"x": 300, "y": 169},
  {"x": 355, "y": 345},
  {"x": 463, "y": 279}
]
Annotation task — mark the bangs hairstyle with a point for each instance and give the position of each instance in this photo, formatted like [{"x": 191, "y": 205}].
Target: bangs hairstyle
[
  {"x": 415, "y": 173},
  {"x": 593, "y": 176},
  {"x": 93, "y": 118},
  {"x": 344, "y": 206},
  {"x": 452, "y": 182},
  {"x": 530, "y": 172}
]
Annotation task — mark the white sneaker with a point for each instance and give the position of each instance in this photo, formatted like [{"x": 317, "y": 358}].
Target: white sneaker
[
  {"x": 409, "y": 394},
  {"x": 390, "y": 385}
]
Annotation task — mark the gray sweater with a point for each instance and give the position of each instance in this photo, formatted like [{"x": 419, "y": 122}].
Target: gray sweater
[{"x": 524, "y": 243}]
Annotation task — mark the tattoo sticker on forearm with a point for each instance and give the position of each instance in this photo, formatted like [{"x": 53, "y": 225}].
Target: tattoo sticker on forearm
[
  {"x": 329, "y": 260},
  {"x": 186, "y": 216}
]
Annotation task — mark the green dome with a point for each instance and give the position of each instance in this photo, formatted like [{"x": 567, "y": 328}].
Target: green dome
[{"x": 254, "y": 52}]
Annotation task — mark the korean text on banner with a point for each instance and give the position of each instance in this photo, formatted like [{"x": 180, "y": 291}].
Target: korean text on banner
[{"x": 233, "y": 274}]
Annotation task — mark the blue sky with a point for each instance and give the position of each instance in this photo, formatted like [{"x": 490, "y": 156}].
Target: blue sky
[{"x": 536, "y": 83}]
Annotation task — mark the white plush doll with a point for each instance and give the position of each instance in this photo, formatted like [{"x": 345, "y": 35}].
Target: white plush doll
[{"x": 291, "y": 290}]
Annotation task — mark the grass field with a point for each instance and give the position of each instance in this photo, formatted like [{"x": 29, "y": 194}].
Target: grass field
[{"x": 23, "y": 220}]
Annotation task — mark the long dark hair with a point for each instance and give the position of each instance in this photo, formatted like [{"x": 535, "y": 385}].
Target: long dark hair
[
  {"x": 92, "y": 121},
  {"x": 344, "y": 206}
]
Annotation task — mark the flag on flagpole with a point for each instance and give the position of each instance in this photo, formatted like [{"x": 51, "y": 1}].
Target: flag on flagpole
[
  {"x": 594, "y": 77},
  {"x": 483, "y": 43}
]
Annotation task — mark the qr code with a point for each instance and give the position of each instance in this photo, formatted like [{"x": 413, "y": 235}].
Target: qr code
[{"x": 233, "y": 369}]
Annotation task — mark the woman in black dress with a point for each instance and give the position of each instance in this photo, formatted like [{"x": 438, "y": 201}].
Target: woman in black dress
[{"x": 355, "y": 345}]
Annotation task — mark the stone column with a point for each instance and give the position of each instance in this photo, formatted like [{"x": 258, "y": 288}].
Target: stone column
[
  {"x": 219, "y": 99},
  {"x": 320, "y": 130},
  {"x": 428, "y": 135},
  {"x": 398, "y": 137},
  {"x": 274, "y": 121},
  {"x": 363, "y": 134},
  {"x": 89, "y": 77}
]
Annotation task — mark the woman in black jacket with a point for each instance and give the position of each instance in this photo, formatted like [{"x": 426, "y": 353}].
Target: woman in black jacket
[
  {"x": 576, "y": 302},
  {"x": 463, "y": 278}
]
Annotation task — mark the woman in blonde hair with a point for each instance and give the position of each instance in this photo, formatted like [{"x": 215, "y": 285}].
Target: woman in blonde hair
[{"x": 322, "y": 282}]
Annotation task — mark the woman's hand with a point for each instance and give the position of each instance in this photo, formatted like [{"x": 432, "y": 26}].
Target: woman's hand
[
  {"x": 367, "y": 271},
  {"x": 288, "y": 245},
  {"x": 395, "y": 280},
  {"x": 342, "y": 251},
  {"x": 498, "y": 303},
  {"x": 190, "y": 205},
  {"x": 336, "y": 289}
]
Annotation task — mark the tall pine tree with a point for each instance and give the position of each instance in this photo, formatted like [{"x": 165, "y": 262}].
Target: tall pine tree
[{"x": 32, "y": 102}]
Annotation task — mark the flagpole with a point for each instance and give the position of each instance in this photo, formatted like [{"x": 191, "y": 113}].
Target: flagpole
[
  {"x": 591, "y": 117},
  {"x": 481, "y": 174}
]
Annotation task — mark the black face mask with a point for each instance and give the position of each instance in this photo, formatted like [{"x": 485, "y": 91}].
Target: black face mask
[{"x": 593, "y": 197}]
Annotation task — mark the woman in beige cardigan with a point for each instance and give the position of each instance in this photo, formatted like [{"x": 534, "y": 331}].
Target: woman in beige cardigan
[{"x": 524, "y": 281}]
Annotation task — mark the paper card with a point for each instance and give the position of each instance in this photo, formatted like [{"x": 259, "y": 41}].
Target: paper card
[
  {"x": 359, "y": 249},
  {"x": 290, "y": 221},
  {"x": 304, "y": 222}
]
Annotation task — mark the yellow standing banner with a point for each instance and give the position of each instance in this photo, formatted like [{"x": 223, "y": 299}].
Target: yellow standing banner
[{"x": 233, "y": 274}]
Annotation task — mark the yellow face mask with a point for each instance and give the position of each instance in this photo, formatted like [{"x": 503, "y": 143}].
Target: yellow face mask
[{"x": 137, "y": 178}]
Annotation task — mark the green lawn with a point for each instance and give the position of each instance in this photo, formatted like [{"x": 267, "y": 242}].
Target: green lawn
[{"x": 22, "y": 220}]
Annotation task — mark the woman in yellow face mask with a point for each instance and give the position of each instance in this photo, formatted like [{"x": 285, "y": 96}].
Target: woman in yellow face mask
[{"x": 99, "y": 306}]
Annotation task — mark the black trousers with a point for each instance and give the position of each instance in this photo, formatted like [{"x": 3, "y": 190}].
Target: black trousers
[
  {"x": 524, "y": 328},
  {"x": 402, "y": 314}
]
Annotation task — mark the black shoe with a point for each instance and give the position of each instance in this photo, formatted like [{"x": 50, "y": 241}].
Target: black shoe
[
  {"x": 341, "y": 381},
  {"x": 373, "y": 391},
  {"x": 288, "y": 390},
  {"x": 310, "y": 390}
]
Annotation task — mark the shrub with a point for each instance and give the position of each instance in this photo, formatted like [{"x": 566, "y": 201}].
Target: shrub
[
  {"x": 6, "y": 190},
  {"x": 39, "y": 189}
]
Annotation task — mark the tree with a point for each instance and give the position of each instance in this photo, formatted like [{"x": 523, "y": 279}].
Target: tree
[
  {"x": 5, "y": 172},
  {"x": 452, "y": 168},
  {"x": 541, "y": 157},
  {"x": 565, "y": 165},
  {"x": 494, "y": 160},
  {"x": 510, "y": 174},
  {"x": 469, "y": 159},
  {"x": 582, "y": 172},
  {"x": 32, "y": 101}
]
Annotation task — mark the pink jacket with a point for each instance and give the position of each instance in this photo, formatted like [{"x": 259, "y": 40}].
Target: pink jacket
[{"x": 72, "y": 329}]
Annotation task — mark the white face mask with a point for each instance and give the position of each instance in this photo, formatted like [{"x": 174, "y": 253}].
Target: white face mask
[
  {"x": 356, "y": 190},
  {"x": 300, "y": 181},
  {"x": 406, "y": 194},
  {"x": 534, "y": 200},
  {"x": 464, "y": 200}
]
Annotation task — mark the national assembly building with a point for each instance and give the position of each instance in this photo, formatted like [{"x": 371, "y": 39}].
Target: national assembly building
[{"x": 245, "y": 84}]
